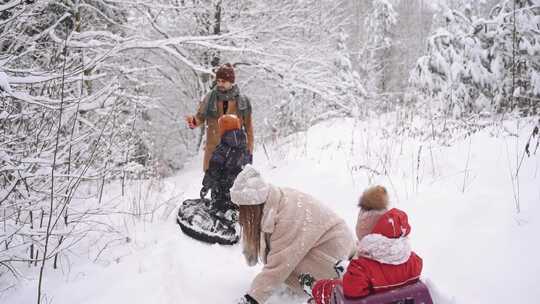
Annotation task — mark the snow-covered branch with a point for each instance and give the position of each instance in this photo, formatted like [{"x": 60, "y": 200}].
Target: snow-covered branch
[{"x": 10, "y": 5}]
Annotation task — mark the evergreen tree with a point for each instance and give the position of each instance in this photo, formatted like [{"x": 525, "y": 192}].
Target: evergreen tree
[{"x": 475, "y": 64}]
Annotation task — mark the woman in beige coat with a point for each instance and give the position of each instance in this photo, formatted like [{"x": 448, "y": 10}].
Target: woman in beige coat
[{"x": 290, "y": 232}]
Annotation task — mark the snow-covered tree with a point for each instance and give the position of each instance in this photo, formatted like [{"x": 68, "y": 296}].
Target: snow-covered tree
[
  {"x": 412, "y": 27},
  {"x": 351, "y": 87},
  {"x": 97, "y": 90},
  {"x": 511, "y": 39},
  {"x": 66, "y": 117},
  {"x": 440, "y": 75},
  {"x": 276, "y": 47},
  {"x": 476, "y": 64},
  {"x": 373, "y": 58}
]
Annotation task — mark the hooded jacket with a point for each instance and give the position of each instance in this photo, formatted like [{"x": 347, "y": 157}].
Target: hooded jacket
[{"x": 385, "y": 261}]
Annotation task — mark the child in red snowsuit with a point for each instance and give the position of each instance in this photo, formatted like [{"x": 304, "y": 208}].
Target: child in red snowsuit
[{"x": 384, "y": 259}]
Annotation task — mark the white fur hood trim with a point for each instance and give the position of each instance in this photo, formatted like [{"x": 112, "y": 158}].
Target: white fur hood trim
[{"x": 385, "y": 250}]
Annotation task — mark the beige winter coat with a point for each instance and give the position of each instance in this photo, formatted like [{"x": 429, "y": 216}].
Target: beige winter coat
[
  {"x": 299, "y": 235},
  {"x": 212, "y": 129}
]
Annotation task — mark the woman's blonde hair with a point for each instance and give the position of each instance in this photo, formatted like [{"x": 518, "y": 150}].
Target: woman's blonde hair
[{"x": 250, "y": 221}]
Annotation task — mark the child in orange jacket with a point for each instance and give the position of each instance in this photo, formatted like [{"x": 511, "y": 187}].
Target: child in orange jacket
[{"x": 228, "y": 159}]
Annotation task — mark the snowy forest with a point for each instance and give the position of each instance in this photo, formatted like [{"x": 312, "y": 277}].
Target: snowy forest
[{"x": 94, "y": 149}]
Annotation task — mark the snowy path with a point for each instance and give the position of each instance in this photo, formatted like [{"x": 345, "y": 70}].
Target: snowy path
[{"x": 474, "y": 245}]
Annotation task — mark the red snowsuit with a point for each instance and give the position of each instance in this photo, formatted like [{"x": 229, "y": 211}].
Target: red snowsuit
[{"x": 384, "y": 261}]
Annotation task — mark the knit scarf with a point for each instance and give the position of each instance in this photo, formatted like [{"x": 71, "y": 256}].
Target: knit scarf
[{"x": 232, "y": 94}]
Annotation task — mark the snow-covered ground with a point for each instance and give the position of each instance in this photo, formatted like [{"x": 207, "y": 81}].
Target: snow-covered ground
[{"x": 461, "y": 201}]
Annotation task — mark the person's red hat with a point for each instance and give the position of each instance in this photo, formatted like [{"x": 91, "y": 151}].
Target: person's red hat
[{"x": 225, "y": 72}]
